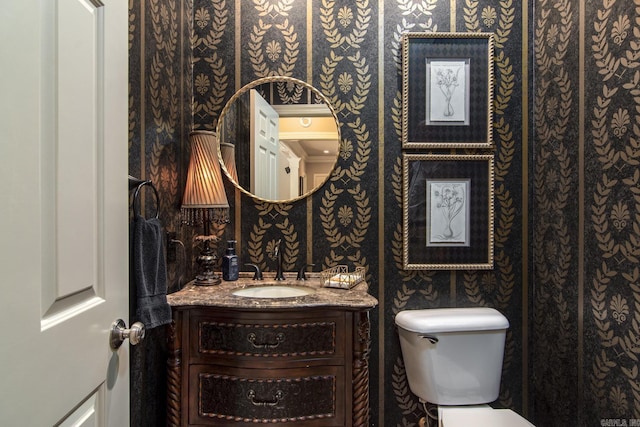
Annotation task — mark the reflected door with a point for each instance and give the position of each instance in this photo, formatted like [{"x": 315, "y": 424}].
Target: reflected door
[
  {"x": 63, "y": 181},
  {"x": 265, "y": 148}
]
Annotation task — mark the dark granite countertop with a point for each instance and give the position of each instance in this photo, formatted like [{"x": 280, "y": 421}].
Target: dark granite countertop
[{"x": 356, "y": 298}]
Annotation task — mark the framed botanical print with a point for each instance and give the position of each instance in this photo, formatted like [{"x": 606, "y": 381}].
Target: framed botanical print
[
  {"x": 447, "y": 90},
  {"x": 447, "y": 211}
]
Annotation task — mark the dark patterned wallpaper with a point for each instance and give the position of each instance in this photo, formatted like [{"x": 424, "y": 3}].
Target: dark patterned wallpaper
[
  {"x": 567, "y": 204},
  {"x": 160, "y": 118},
  {"x": 587, "y": 213},
  {"x": 555, "y": 238}
]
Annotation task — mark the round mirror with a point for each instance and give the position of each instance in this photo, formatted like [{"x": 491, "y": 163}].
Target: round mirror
[{"x": 279, "y": 139}]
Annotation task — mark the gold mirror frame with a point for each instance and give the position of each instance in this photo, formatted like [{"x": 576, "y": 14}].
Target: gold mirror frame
[{"x": 232, "y": 174}]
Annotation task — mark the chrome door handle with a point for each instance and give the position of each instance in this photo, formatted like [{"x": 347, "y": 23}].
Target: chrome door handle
[{"x": 119, "y": 333}]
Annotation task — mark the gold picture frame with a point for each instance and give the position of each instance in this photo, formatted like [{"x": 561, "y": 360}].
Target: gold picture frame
[
  {"x": 447, "y": 211},
  {"x": 447, "y": 90}
]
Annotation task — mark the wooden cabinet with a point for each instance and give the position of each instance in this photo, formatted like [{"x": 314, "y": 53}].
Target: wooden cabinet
[{"x": 240, "y": 367}]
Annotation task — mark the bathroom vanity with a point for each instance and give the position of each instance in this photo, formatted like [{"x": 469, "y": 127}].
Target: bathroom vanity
[{"x": 243, "y": 354}]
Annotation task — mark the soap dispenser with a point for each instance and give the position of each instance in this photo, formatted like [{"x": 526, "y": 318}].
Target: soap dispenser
[{"x": 230, "y": 262}]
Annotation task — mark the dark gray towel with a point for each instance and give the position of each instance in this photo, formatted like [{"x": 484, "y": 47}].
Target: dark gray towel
[{"x": 150, "y": 273}]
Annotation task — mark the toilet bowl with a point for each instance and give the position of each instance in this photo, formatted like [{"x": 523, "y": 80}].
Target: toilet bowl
[
  {"x": 453, "y": 358},
  {"x": 479, "y": 416}
]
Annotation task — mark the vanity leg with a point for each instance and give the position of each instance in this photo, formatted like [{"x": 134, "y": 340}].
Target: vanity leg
[
  {"x": 174, "y": 365},
  {"x": 361, "y": 348}
]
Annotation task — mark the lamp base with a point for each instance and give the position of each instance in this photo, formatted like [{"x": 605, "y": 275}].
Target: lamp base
[
  {"x": 207, "y": 261},
  {"x": 207, "y": 281}
]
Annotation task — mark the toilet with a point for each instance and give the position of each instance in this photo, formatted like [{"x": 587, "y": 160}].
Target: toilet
[{"x": 453, "y": 358}]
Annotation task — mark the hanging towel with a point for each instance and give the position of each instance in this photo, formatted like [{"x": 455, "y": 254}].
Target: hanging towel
[{"x": 150, "y": 273}]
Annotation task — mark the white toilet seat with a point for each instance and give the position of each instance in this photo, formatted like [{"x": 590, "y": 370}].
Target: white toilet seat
[{"x": 479, "y": 416}]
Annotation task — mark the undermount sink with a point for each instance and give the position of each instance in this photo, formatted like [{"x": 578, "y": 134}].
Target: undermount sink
[{"x": 273, "y": 291}]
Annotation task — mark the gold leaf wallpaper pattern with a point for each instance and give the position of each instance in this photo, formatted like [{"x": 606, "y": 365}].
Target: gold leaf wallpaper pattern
[
  {"x": 613, "y": 160},
  {"x": 554, "y": 334},
  {"x": 554, "y": 329},
  {"x": 346, "y": 80},
  {"x": 586, "y": 213},
  {"x": 160, "y": 118}
]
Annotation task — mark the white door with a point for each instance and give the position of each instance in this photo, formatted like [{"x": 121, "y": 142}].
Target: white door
[
  {"x": 319, "y": 179},
  {"x": 288, "y": 171},
  {"x": 63, "y": 212},
  {"x": 265, "y": 145}
]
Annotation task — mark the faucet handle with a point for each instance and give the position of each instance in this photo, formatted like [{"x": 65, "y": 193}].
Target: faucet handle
[
  {"x": 258, "y": 273},
  {"x": 301, "y": 273}
]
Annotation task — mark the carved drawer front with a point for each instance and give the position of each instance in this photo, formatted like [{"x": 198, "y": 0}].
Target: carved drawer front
[
  {"x": 311, "y": 396},
  {"x": 269, "y": 339}
]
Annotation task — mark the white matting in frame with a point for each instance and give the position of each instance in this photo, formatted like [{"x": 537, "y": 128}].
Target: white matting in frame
[
  {"x": 448, "y": 212},
  {"x": 447, "y": 91}
]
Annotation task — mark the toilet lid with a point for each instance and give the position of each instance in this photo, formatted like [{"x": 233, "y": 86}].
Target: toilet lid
[{"x": 480, "y": 416}]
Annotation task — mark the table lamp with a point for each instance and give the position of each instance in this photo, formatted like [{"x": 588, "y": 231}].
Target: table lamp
[{"x": 205, "y": 201}]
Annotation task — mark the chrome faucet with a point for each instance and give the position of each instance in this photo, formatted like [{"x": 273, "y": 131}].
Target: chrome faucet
[{"x": 278, "y": 253}]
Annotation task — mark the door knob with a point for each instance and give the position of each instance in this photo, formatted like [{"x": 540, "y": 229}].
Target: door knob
[{"x": 119, "y": 333}]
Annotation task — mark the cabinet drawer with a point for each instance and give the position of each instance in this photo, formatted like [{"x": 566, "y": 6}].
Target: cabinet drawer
[
  {"x": 266, "y": 338},
  {"x": 308, "y": 396}
]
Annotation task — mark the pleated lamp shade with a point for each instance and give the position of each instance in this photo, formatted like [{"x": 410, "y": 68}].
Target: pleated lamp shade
[
  {"x": 204, "y": 188},
  {"x": 229, "y": 159}
]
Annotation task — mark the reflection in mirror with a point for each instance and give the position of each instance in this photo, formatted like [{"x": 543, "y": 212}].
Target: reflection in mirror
[
  {"x": 229, "y": 159},
  {"x": 279, "y": 139}
]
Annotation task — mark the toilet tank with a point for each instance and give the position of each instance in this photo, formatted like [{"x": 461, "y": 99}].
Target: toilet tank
[{"x": 453, "y": 356}]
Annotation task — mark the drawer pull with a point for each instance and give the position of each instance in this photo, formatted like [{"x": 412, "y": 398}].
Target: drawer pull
[
  {"x": 275, "y": 402},
  {"x": 252, "y": 339}
]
